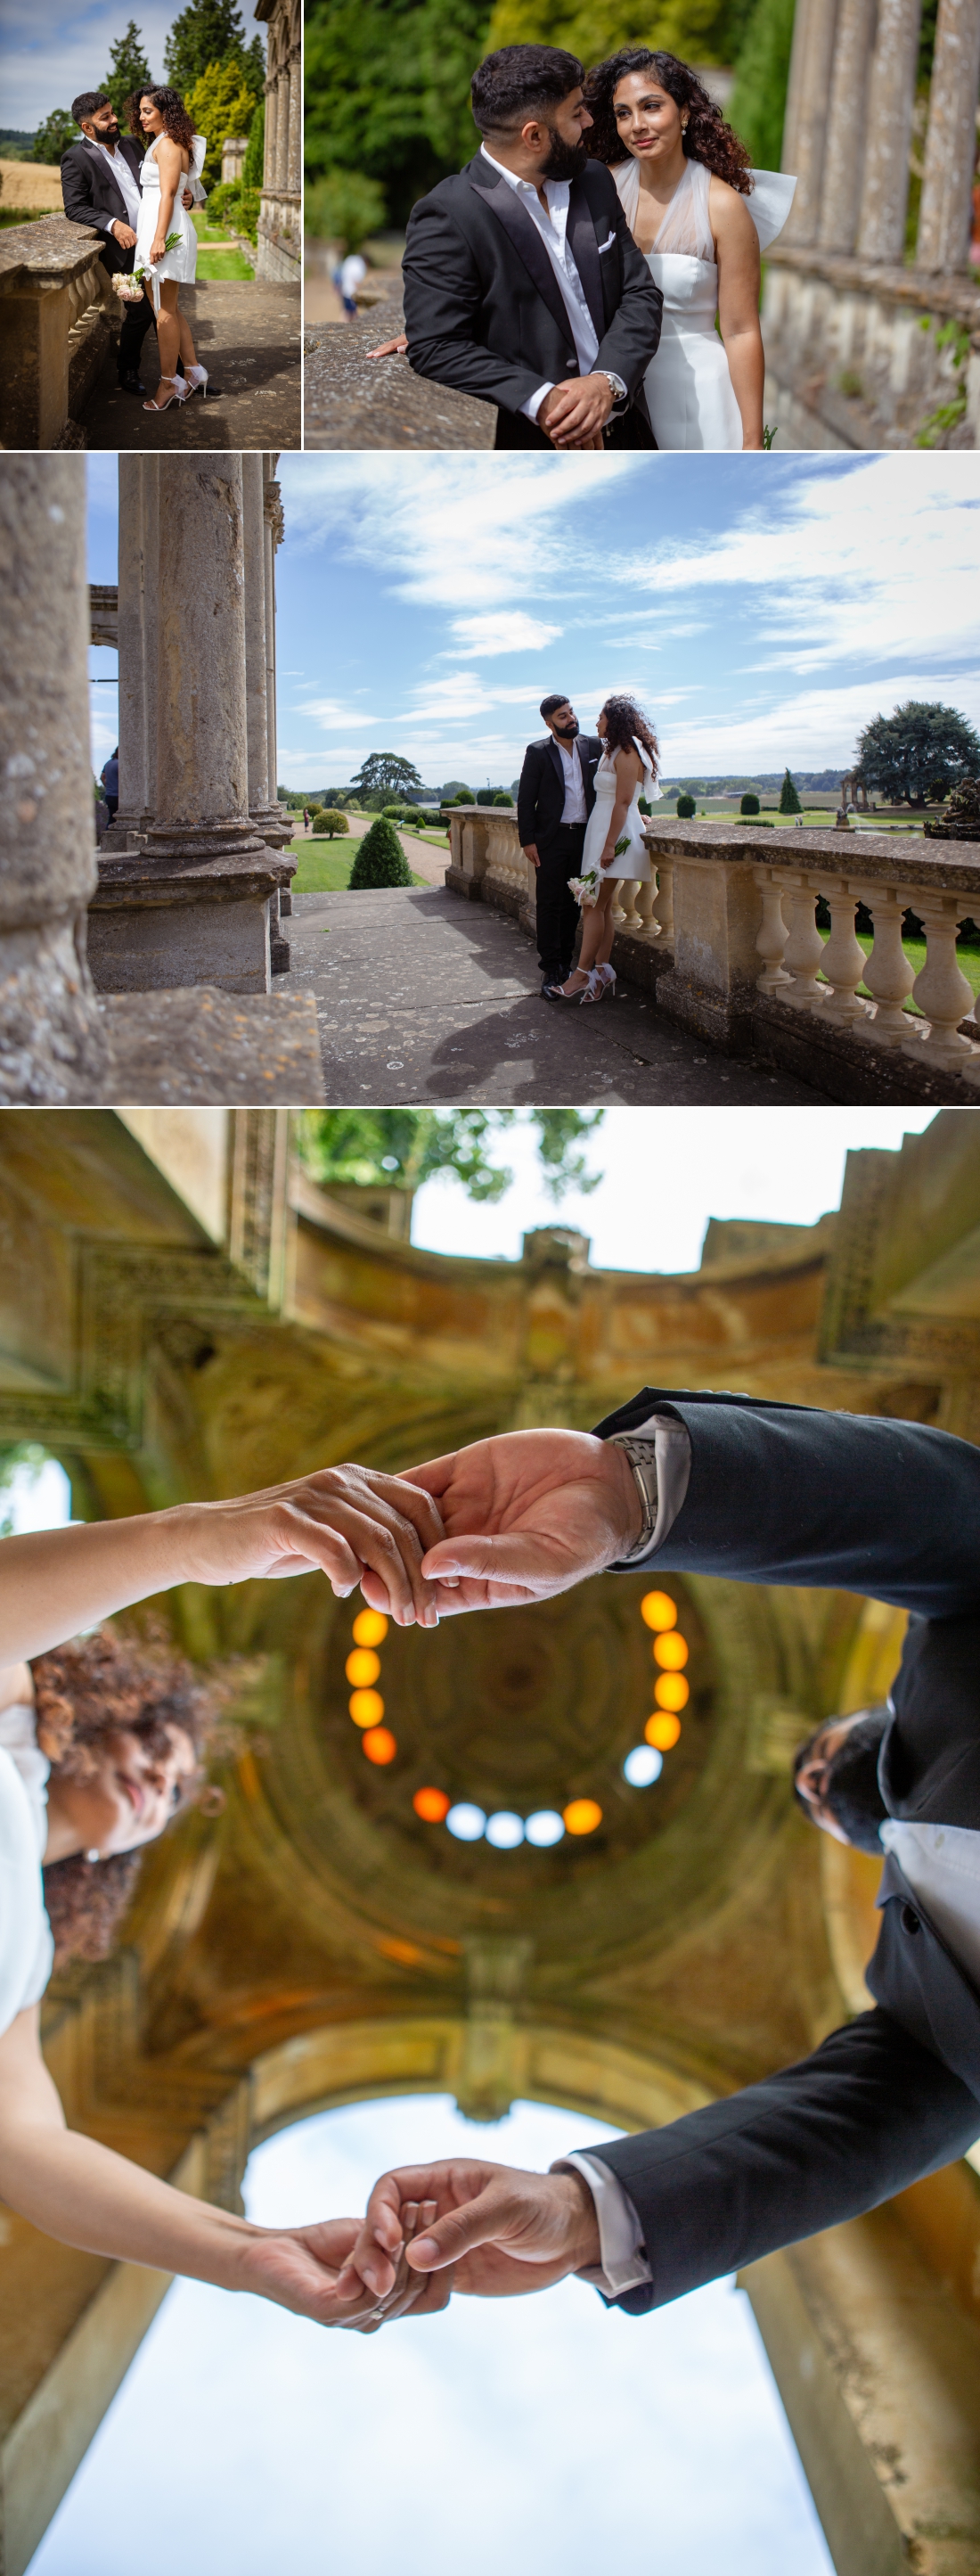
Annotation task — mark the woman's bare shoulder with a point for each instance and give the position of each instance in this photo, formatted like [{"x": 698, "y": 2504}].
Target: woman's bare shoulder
[{"x": 729, "y": 213}]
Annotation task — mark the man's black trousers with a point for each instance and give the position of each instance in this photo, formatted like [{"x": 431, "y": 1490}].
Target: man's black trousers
[
  {"x": 136, "y": 320},
  {"x": 560, "y": 856},
  {"x": 624, "y": 429}
]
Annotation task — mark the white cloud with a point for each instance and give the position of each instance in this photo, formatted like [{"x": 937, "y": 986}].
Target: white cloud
[
  {"x": 455, "y": 532},
  {"x": 332, "y": 717},
  {"x": 502, "y": 631}
]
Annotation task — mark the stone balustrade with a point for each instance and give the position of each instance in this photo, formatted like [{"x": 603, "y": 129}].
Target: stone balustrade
[
  {"x": 725, "y": 933},
  {"x": 59, "y": 318}
]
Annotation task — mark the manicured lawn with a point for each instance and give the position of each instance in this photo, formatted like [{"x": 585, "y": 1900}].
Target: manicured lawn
[
  {"x": 325, "y": 866},
  {"x": 218, "y": 256}
]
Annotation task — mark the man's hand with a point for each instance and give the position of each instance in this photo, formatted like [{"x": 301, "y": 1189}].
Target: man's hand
[
  {"x": 573, "y": 413},
  {"x": 125, "y": 235},
  {"x": 187, "y": 198},
  {"x": 525, "y": 1516},
  {"x": 504, "y": 2232},
  {"x": 530, "y": 849}
]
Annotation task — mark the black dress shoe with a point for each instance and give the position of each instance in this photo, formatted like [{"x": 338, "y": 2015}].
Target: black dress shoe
[{"x": 130, "y": 384}]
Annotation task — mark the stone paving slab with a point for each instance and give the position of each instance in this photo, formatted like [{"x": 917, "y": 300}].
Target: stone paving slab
[
  {"x": 352, "y": 400},
  {"x": 199, "y": 1046},
  {"x": 422, "y": 997},
  {"x": 248, "y": 336}
]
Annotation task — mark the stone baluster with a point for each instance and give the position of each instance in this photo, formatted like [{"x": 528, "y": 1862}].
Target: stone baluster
[
  {"x": 773, "y": 933},
  {"x": 139, "y": 519},
  {"x": 843, "y": 957},
  {"x": 841, "y": 191},
  {"x": 888, "y": 974},
  {"x": 804, "y": 947},
  {"x": 646, "y": 895},
  {"x": 944, "y": 215},
  {"x": 891, "y": 99},
  {"x": 941, "y": 989},
  {"x": 52, "y": 1039},
  {"x": 626, "y": 916},
  {"x": 662, "y": 912},
  {"x": 813, "y": 53}
]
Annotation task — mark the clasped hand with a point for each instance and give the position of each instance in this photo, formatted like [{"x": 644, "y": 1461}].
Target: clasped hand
[{"x": 487, "y": 2231}]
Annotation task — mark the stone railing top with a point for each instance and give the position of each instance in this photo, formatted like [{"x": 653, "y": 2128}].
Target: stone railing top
[
  {"x": 927, "y": 290},
  {"x": 893, "y": 856},
  {"x": 46, "y": 253}
]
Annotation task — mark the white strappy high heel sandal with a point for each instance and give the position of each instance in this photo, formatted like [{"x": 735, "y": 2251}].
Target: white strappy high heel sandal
[{"x": 174, "y": 396}]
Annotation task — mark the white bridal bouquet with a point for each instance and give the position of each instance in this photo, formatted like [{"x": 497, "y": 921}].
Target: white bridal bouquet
[
  {"x": 586, "y": 889},
  {"x": 128, "y": 285}
]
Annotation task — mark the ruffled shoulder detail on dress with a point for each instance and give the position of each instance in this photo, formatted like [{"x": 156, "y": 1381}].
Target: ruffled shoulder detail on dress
[
  {"x": 770, "y": 202},
  {"x": 199, "y": 145}
]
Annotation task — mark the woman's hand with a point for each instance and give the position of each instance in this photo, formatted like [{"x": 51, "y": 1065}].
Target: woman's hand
[
  {"x": 157, "y": 248},
  {"x": 348, "y": 1523}
]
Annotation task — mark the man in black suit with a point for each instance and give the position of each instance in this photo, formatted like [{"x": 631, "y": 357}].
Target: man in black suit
[
  {"x": 100, "y": 186},
  {"x": 523, "y": 284},
  {"x": 554, "y": 800},
  {"x": 756, "y": 1493}
]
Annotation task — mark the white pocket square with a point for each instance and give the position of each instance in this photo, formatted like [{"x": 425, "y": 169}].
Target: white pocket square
[{"x": 606, "y": 245}]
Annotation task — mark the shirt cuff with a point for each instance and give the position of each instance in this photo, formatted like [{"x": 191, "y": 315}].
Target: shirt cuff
[
  {"x": 532, "y": 407},
  {"x": 104, "y": 223},
  {"x": 622, "y": 2261}
]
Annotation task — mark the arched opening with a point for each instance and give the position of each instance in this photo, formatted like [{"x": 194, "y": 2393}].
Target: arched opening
[{"x": 549, "y": 2432}]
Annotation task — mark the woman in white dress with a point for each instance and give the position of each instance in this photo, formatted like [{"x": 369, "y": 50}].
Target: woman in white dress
[
  {"x": 100, "y": 1740},
  {"x": 175, "y": 156},
  {"x": 700, "y": 215},
  {"x": 614, "y": 843}
]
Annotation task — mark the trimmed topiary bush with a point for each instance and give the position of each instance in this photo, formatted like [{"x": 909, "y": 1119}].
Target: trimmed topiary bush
[
  {"x": 380, "y": 859},
  {"x": 685, "y": 807},
  {"x": 328, "y": 824},
  {"x": 502, "y": 798},
  {"x": 789, "y": 802},
  {"x": 749, "y": 804}
]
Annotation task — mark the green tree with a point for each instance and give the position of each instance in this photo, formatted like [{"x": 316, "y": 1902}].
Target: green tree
[
  {"x": 750, "y": 803},
  {"x": 921, "y": 747},
  {"x": 328, "y": 824},
  {"x": 789, "y": 802},
  {"x": 757, "y": 106},
  {"x": 380, "y": 859},
  {"x": 253, "y": 166},
  {"x": 401, "y": 1148},
  {"x": 221, "y": 102},
  {"x": 207, "y": 32},
  {"x": 128, "y": 70},
  {"x": 685, "y": 808},
  {"x": 344, "y": 208},
  {"x": 54, "y": 136},
  {"x": 384, "y": 772},
  {"x": 387, "y": 91}
]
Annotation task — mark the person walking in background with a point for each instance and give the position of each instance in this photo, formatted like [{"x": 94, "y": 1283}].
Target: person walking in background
[
  {"x": 110, "y": 781},
  {"x": 555, "y": 797},
  {"x": 348, "y": 275}
]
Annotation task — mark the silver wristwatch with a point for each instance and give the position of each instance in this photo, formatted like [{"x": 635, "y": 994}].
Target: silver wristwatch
[
  {"x": 643, "y": 1462},
  {"x": 618, "y": 387}
]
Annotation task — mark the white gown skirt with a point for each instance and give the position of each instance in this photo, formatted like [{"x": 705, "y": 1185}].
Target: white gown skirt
[
  {"x": 635, "y": 861},
  {"x": 687, "y": 385},
  {"x": 181, "y": 262}
]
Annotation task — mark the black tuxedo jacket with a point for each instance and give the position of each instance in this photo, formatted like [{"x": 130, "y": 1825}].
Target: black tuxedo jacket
[
  {"x": 483, "y": 309},
  {"x": 89, "y": 189},
  {"x": 541, "y": 794},
  {"x": 781, "y": 1494}
]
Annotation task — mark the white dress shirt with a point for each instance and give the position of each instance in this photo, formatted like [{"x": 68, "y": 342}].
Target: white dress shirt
[
  {"x": 553, "y": 228},
  {"x": 573, "y": 810},
  {"x": 942, "y": 1865},
  {"x": 126, "y": 182}
]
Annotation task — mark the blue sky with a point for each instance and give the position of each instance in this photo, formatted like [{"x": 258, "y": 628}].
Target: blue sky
[
  {"x": 762, "y": 608},
  {"x": 48, "y": 52},
  {"x": 546, "y": 2435}
]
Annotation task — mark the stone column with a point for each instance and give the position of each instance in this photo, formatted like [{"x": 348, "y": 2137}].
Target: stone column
[
  {"x": 282, "y": 128},
  {"x": 273, "y": 532},
  {"x": 294, "y": 179},
  {"x": 944, "y": 217},
  {"x": 813, "y": 54},
  {"x": 269, "y": 159},
  {"x": 842, "y": 172},
  {"x": 891, "y": 99},
  {"x": 139, "y": 516},
  {"x": 260, "y": 805},
  {"x": 52, "y": 1039}
]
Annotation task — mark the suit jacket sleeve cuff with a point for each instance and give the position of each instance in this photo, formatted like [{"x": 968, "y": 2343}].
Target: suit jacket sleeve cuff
[{"x": 623, "y": 2263}]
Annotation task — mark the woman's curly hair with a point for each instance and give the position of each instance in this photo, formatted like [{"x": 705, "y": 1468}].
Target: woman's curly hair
[
  {"x": 83, "y": 1692},
  {"x": 176, "y": 121},
  {"x": 624, "y": 719},
  {"x": 707, "y": 137}
]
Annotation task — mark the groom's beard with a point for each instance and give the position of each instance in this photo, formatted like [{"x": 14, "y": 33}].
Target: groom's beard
[
  {"x": 565, "y": 160},
  {"x": 567, "y": 733}
]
